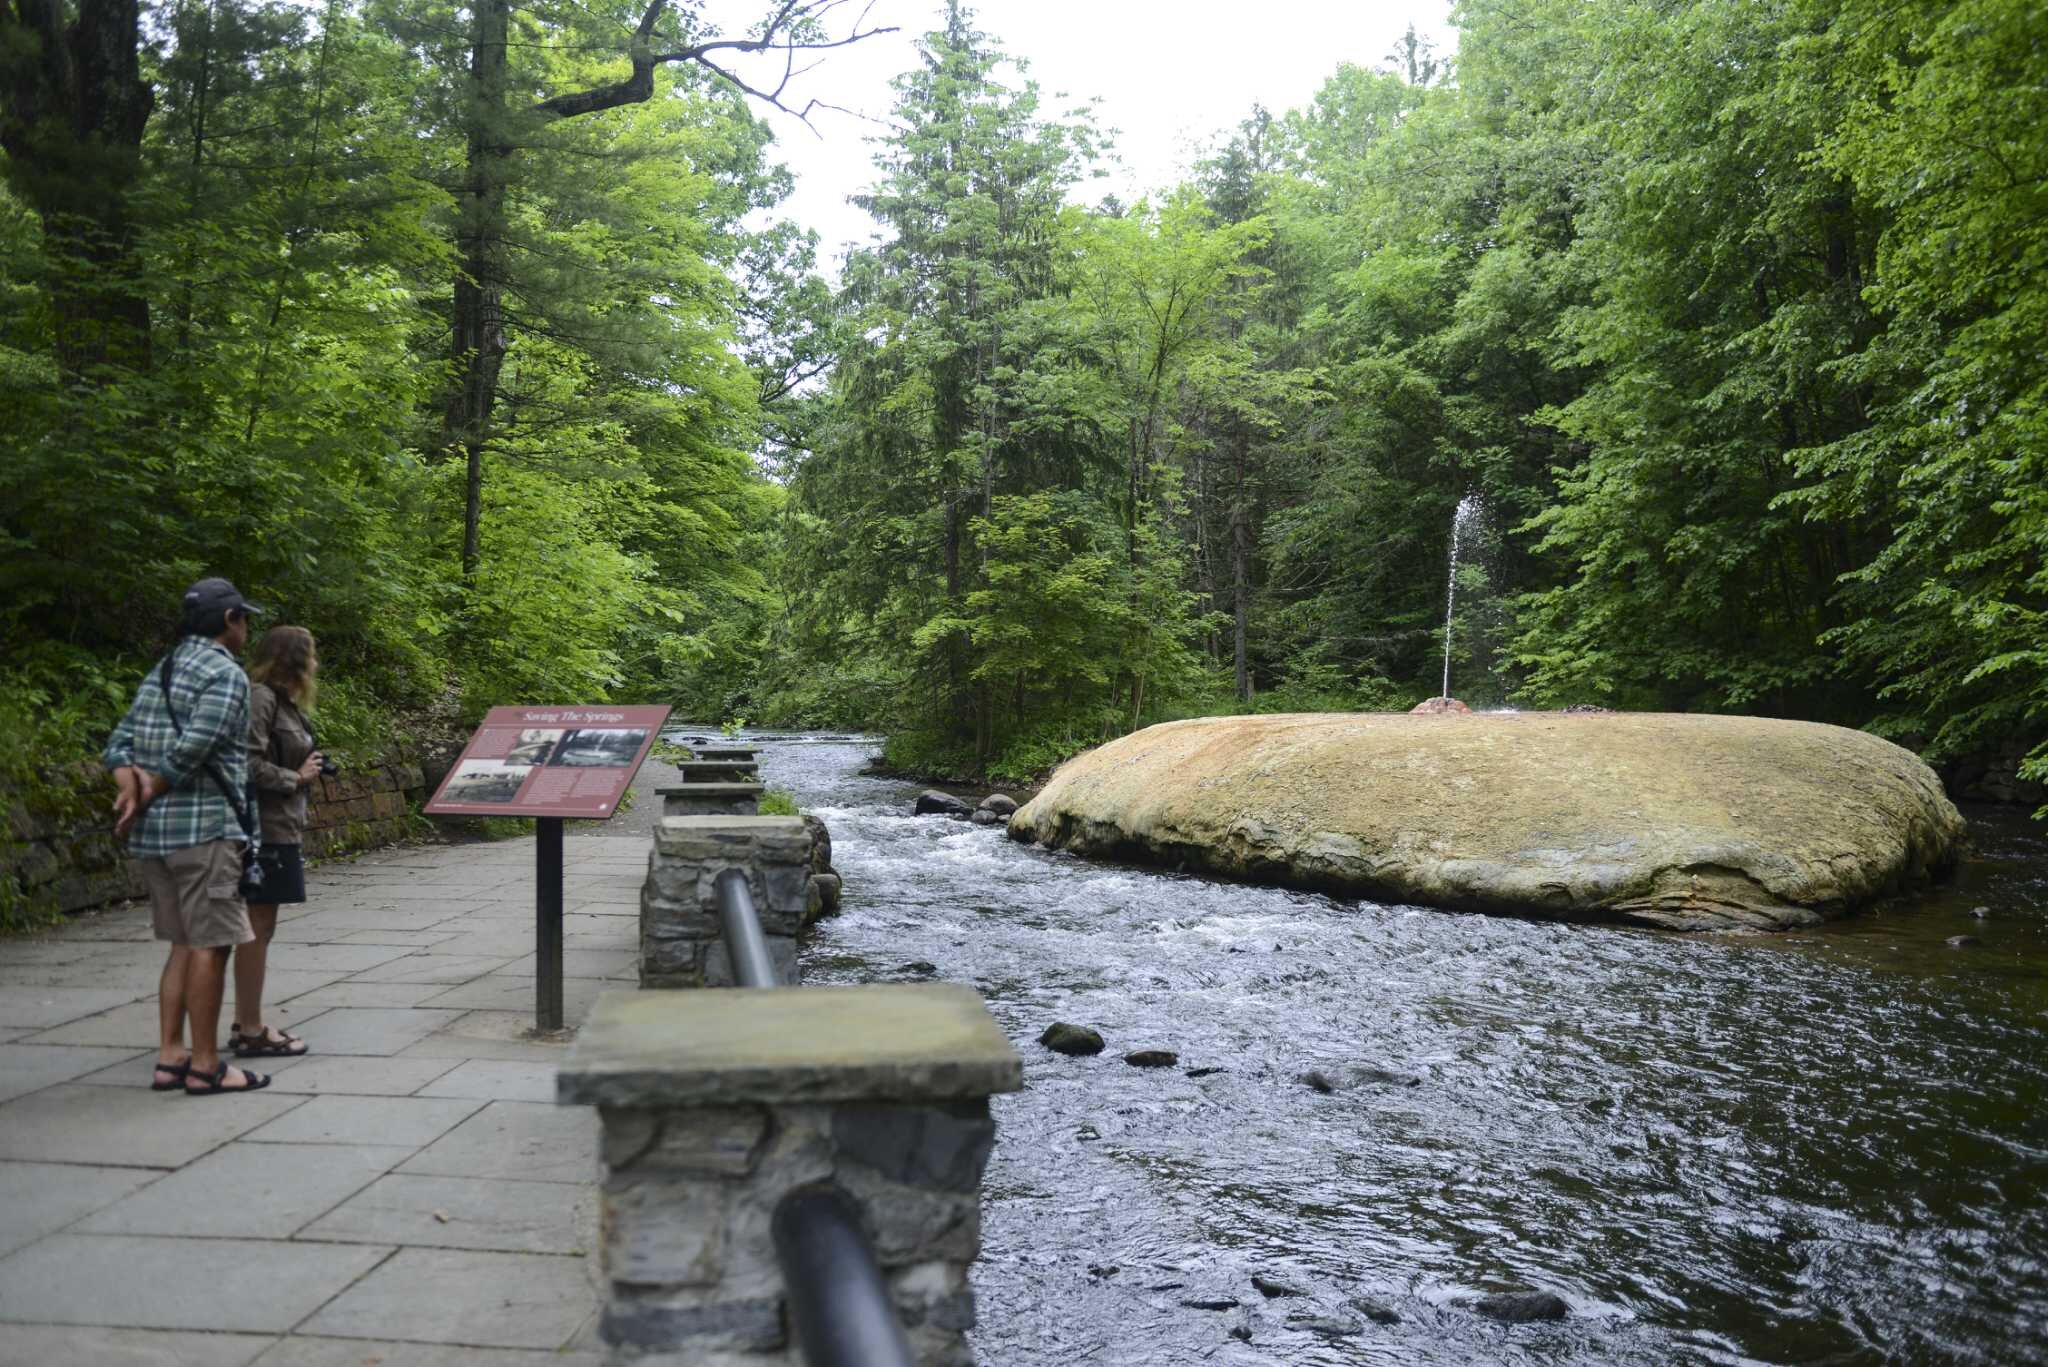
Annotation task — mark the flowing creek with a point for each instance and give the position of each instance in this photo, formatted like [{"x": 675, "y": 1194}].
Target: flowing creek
[{"x": 1826, "y": 1147}]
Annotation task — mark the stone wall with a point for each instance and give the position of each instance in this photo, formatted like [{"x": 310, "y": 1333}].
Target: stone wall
[{"x": 58, "y": 852}]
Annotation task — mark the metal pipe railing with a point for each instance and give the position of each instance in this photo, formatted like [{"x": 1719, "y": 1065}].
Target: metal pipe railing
[
  {"x": 745, "y": 946},
  {"x": 838, "y": 1302},
  {"x": 840, "y": 1305}
]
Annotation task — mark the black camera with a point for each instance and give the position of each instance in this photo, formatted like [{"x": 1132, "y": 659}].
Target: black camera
[{"x": 328, "y": 768}]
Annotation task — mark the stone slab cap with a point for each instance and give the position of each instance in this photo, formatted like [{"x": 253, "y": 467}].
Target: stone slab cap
[
  {"x": 714, "y": 790},
  {"x": 704, "y": 837},
  {"x": 738, "y": 1046},
  {"x": 711, "y": 752}
]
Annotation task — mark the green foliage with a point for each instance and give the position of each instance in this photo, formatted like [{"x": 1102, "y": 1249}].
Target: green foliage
[
  {"x": 776, "y": 802},
  {"x": 298, "y": 246}
]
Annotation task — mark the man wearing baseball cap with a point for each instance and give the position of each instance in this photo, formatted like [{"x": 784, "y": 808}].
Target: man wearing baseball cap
[{"x": 180, "y": 762}]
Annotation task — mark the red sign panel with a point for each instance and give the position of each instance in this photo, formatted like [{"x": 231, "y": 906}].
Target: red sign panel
[{"x": 549, "y": 761}]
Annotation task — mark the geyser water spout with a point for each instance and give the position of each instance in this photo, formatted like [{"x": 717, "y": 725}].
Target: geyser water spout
[{"x": 1462, "y": 522}]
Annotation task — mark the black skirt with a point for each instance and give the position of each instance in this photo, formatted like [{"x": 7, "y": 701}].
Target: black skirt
[{"x": 284, "y": 877}]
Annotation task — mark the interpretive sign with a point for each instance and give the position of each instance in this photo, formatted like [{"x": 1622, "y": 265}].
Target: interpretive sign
[{"x": 549, "y": 761}]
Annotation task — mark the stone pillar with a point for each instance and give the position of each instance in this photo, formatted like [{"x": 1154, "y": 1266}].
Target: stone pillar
[
  {"x": 711, "y": 799},
  {"x": 716, "y": 1105},
  {"x": 681, "y": 944}
]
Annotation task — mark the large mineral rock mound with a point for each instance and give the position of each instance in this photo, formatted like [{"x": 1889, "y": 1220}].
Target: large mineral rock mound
[{"x": 1686, "y": 822}]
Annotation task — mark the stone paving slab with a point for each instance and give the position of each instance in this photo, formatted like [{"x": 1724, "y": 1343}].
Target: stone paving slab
[
  {"x": 516, "y": 1141},
  {"x": 412, "y": 1122},
  {"x": 371, "y": 1029},
  {"x": 355, "y": 992},
  {"x": 356, "y": 1075},
  {"x": 448, "y": 969},
  {"x": 129, "y": 1126},
  {"x": 416, "y": 1131},
  {"x": 492, "y": 1080},
  {"x": 246, "y": 1190},
  {"x": 302, "y": 1351},
  {"x": 42, "y": 1198},
  {"x": 464, "y": 1212},
  {"x": 498, "y": 992},
  {"x": 486, "y": 1300},
  {"x": 52, "y": 1345},
  {"x": 42, "y": 1008},
  {"x": 26, "y": 1068},
  {"x": 128, "y": 1281},
  {"x": 582, "y": 963}
]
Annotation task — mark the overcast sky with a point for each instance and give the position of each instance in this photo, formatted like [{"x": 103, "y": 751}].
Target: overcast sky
[{"x": 1170, "y": 74}]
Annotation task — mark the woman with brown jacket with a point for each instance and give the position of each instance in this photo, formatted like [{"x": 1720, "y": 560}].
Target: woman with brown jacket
[{"x": 284, "y": 761}]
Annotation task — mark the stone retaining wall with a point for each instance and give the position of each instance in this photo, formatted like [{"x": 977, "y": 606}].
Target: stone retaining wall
[{"x": 58, "y": 852}]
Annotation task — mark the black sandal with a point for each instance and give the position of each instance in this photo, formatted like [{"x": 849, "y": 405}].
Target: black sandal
[
  {"x": 177, "y": 1072},
  {"x": 272, "y": 1043},
  {"x": 216, "y": 1081}
]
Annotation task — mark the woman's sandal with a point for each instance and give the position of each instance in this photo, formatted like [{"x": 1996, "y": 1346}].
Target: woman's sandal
[
  {"x": 175, "y": 1071},
  {"x": 272, "y": 1043},
  {"x": 215, "y": 1082}
]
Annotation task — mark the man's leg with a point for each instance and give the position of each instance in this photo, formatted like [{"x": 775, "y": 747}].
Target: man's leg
[
  {"x": 206, "y": 978},
  {"x": 250, "y": 962},
  {"x": 171, "y": 1053},
  {"x": 172, "y": 1056}
]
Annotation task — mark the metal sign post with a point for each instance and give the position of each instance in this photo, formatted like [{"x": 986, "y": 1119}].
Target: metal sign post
[
  {"x": 549, "y": 763},
  {"x": 547, "y": 924}
]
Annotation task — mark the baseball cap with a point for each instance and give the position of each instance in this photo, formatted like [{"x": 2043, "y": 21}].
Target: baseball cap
[{"x": 216, "y": 595}]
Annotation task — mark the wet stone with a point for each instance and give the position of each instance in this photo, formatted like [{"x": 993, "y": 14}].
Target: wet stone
[
  {"x": 1075, "y": 1040},
  {"x": 936, "y": 1146},
  {"x": 1373, "y": 1310},
  {"x": 1152, "y": 1058},
  {"x": 1271, "y": 1289},
  {"x": 1522, "y": 1307},
  {"x": 748, "y": 1324}
]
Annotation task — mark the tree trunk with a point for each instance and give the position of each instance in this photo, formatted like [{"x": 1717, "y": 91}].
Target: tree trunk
[
  {"x": 1241, "y": 574},
  {"x": 478, "y": 333},
  {"x": 72, "y": 121}
]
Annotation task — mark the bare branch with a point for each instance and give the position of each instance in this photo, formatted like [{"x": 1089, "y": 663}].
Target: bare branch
[{"x": 776, "y": 35}]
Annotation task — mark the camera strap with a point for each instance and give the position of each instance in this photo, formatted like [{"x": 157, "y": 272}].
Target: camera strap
[{"x": 243, "y": 818}]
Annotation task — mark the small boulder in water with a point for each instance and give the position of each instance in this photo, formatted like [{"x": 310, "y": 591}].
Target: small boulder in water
[
  {"x": 1152, "y": 1058},
  {"x": 919, "y": 968},
  {"x": 1075, "y": 1040},
  {"x": 982, "y": 816},
  {"x": 1963, "y": 941},
  {"x": 1373, "y": 1310},
  {"x": 1272, "y": 1289},
  {"x": 1002, "y": 804},
  {"x": 932, "y": 802},
  {"x": 1327, "y": 1082},
  {"x": 1981, "y": 913},
  {"x": 1522, "y": 1307},
  {"x": 1210, "y": 1303},
  {"x": 1326, "y": 1325}
]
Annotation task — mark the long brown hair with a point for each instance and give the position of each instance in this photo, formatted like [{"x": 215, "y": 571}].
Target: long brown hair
[{"x": 284, "y": 660}]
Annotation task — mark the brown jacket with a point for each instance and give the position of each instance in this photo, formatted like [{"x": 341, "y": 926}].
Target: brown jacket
[{"x": 279, "y": 741}]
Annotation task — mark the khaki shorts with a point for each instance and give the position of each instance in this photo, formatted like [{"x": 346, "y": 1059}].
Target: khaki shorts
[{"x": 193, "y": 899}]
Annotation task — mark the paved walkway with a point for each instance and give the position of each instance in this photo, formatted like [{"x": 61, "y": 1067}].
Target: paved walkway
[{"x": 408, "y": 1195}]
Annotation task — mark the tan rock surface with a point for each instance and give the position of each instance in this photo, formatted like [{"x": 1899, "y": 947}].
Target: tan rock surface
[{"x": 1681, "y": 821}]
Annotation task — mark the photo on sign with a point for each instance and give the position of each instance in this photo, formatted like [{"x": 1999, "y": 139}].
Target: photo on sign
[
  {"x": 533, "y": 747},
  {"x": 485, "y": 780},
  {"x": 603, "y": 748}
]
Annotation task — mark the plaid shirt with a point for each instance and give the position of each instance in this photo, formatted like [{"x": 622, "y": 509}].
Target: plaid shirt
[{"x": 211, "y": 695}]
